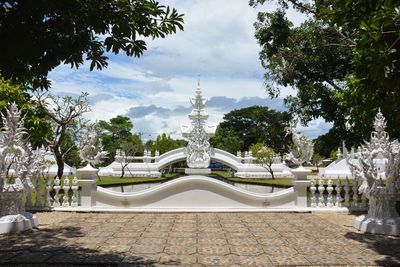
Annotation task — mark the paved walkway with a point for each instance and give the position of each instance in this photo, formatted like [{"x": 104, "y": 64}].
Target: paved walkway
[{"x": 196, "y": 239}]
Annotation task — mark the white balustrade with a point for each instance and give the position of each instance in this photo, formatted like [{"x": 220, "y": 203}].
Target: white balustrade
[
  {"x": 65, "y": 200},
  {"x": 321, "y": 189},
  {"x": 338, "y": 196},
  {"x": 314, "y": 202},
  {"x": 56, "y": 187},
  {"x": 347, "y": 192},
  {"x": 329, "y": 189},
  {"x": 74, "y": 187}
]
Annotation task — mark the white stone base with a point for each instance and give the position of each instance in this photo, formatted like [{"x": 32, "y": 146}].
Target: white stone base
[
  {"x": 18, "y": 223},
  {"x": 365, "y": 224},
  {"x": 197, "y": 171}
]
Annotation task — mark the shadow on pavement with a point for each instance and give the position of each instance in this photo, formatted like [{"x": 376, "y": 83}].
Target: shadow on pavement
[{"x": 65, "y": 246}]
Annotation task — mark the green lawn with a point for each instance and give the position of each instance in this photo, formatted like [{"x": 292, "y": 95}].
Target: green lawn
[{"x": 106, "y": 180}]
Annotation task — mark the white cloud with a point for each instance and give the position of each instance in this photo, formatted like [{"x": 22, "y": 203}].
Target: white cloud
[{"x": 218, "y": 43}]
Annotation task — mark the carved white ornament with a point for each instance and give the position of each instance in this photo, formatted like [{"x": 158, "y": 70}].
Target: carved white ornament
[
  {"x": 16, "y": 152},
  {"x": 382, "y": 215},
  {"x": 198, "y": 149},
  {"x": 304, "y": 147},
  {"x": 91, "y": 150}
]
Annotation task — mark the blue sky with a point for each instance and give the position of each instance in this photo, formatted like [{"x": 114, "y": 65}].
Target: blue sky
[{"x": 218, "y": 44}]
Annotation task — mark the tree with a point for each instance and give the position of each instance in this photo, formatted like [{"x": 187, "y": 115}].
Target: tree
[
  {"x": 226, "y": 140},
  {"x": 317, "y": 160},
  {"x": 44, "y": 34},
  {"x": 265, "y": 157},
  {"x": 36, "y": 123},
  {"x": 258, "y": 124},
  {"x": 128, "y": 149},
  {"x": 115, "y": 133},
  {"x": 64, "y": 113},
  {"x": 165, "y": 143},
  {"x": 343, "y": 60}
]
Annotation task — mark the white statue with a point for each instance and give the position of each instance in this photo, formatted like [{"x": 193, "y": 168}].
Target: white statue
[
  {"x": 382, "y": 215},
  {"x": 304, "y": 147},
  {"x": 198, "y": 133},
  {"x": 91, "y": 150},
  {"x": 16, "y": 152}
]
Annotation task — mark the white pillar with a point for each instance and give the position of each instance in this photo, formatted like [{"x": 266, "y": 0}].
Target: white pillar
[
  {"x": 88, "y": 178},
  {"x": 300, "y": 184}
]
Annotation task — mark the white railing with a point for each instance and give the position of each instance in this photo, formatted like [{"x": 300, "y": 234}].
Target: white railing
[{"x": 327, "y": 193}]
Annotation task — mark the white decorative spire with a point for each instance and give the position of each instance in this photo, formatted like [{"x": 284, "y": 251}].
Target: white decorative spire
[{"x": 198, "y": 132}]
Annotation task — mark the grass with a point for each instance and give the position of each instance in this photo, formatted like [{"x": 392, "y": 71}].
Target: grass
[
  {"x": 108, "y": 181},
  {"x": 280, "y": 182}
]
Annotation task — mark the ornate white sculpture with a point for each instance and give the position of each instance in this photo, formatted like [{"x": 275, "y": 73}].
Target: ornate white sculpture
[
  {"x": 304, "y": 147},
  {"x": 382, "y": 216},
  {"x": 91, "y": 150},
  {"x": 16, "y": 151},
  {"x": 198, "y": 133}
]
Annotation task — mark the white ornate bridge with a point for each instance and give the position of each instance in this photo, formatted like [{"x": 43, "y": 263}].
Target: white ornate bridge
[{"x": 153, "y": 165}]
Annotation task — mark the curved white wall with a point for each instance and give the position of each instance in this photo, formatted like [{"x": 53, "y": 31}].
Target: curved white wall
[{"x": 195, "y": 192}]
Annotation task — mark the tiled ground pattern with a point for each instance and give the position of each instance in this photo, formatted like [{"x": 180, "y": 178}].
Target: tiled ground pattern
[{"x": 196, "y": 239}]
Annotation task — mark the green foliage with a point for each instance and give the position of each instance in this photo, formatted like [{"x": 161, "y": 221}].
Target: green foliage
[
  {"x": 343, "y": 61},
  {"x": 165, "y": 143},
  {"x": 37, "y": 36},
  {"x": 71, "y": 155},
  {"x": 36, "y": 122},
  {"x": 265, "y": 156},
  {"x": 258, "y": 124},
  {"x": 117, "y": 135},
  {"x": 227, "y": 140}
]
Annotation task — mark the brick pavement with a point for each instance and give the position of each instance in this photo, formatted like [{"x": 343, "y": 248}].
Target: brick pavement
[{"x": 194, "y": 239}]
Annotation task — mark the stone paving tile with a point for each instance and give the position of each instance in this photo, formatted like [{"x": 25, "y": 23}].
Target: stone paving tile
[
  {"x": 216, "y": 260},
  {"x": 180, "y": 250},
  {"x": 184, "y": 241},
  {"x": 286, "y": 260},
  {"x": 178, "y": 259},
  {"x": 196, "y": 239},
  {"x": 212, "y": 241},
  {"x": 213, "y": 250},
  {"x": 256, "y": 261},
  {"x": 147, "y": 249}
]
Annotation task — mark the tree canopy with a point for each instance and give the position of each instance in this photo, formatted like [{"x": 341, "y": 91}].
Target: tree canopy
[
  {"x": 37, "y": 36},
  {"x": 343, "y": 60},
  {"x": 253, "y": 125}
]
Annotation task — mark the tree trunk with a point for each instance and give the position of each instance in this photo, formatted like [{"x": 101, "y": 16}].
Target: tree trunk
[
  {"x": 60, "y": 161},
  {"x": 123, "y": 171},
  {"x": 272, "y": 172}
]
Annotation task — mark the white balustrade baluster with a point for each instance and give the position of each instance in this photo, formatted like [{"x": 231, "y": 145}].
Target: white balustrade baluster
[
  {"x": 74, "y": 187},
  {"x": 312, "y": 190},
  {"x": 355, "y": 193},
  {"x": 66, "y": 187},
  {"x": 338, "y": 190},
  {"x": 38, "y": 201},
  {"x": 329, "y": 189},
  {"x": 47, "y": 191},
  {"x": 347, "y": 192},
  {"x": 321, "y": 189},
  {"x": 56, "y": 187}
]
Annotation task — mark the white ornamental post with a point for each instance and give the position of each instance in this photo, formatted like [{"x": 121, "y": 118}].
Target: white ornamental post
[
  {"x": 91, "y": 152},
  {"x": 301, "y": 154},
  {"x": 301, "y": 183},
  {"x": 88, "y": 179}
]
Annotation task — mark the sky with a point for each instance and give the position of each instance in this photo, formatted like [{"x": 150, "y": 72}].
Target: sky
[{"x": 217, "y": 47}]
